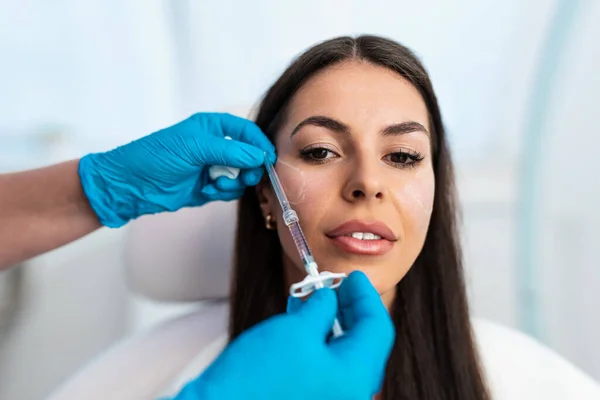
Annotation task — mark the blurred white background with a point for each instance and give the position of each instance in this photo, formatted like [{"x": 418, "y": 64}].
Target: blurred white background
[{"x": 517, "y": 82}]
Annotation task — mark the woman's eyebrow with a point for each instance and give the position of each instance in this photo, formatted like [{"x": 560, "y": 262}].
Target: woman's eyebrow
[
  {"x": 403, "y": 128},
  {"x": 324, "y": 122},
  {"x": 339, "y": 127}
]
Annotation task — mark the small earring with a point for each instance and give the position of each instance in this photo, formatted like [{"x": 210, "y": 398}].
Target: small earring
[{"x": 270, "y": 224}]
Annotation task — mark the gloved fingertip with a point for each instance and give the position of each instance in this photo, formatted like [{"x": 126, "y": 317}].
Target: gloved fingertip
[
  {"x": 252, "y": 177},
  {"x": 324, "y": 294},
  {"x": 357, "y": 286},
  {"x": 229, "y": 185},
  {"x": 255, "y": 155},
  {"x": 247, "y": 131},
  {"x": 293, "y": 304},
  {"x": 324, "y": 300},
  {"x": 272, "y": 156},
  {"x": 209, "y": 190},
  {"x": 319, "y": 312},
  {"x": 360, "y": 276}
]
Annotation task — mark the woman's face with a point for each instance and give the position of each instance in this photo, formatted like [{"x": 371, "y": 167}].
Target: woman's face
[{"x": 354, "y": 157}]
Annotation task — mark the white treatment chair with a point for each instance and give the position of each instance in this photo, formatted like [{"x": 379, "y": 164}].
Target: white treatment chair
[{"x": 186, "y": 257}]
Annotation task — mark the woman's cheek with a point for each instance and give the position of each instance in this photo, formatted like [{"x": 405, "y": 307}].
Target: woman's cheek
[
  {"x": 304, "y": 187},
  {"x": 309, "y": 190},
  {"x": 293, "y": 180},
  {"x": 415, "y": 195}
]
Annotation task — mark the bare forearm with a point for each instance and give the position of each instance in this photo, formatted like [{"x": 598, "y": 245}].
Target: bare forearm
[{"x": 41, "y": 210}]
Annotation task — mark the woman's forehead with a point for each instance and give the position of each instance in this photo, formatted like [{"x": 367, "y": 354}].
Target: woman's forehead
[{"x": 359, "y": 94}]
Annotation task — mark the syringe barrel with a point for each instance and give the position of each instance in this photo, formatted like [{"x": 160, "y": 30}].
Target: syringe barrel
[{"x": 300, "y": 243}]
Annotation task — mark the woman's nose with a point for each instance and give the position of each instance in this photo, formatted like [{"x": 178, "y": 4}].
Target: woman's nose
[{"x": 364, "y": 182}]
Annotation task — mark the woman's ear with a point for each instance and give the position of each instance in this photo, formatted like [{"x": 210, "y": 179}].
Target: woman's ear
[{"x": 266, "y": 198}]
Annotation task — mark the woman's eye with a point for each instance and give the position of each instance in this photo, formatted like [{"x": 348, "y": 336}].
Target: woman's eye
[
  {"x": 404, "y": 159},
  {"x": 317, "y": 154},
  {"x": 399, "y": 158}
]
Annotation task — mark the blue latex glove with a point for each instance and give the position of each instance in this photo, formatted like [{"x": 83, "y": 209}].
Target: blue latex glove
[
  {"x": 288, "y": 356},
  {"x": 168, "y": 170}
]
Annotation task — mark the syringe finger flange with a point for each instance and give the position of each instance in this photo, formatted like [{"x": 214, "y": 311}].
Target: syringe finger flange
[{"x": 311, "y": 283}]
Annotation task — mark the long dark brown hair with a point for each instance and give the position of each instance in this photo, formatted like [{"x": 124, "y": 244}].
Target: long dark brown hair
[{"x": 434, "y": 356}]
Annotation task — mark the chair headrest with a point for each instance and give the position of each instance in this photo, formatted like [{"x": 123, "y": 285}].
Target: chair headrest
[{"x": 182, "y": 256}]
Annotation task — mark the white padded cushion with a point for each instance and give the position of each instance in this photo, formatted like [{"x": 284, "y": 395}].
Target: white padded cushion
[
  {"x": 162, "y": 360},
  {"x": 146, "y": 365},
  {"x": 182, "y": 256},
  {"x": 520, "y": 368}
]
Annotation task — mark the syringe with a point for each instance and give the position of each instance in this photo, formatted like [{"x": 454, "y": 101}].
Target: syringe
[{"x": 290, "y": 218}]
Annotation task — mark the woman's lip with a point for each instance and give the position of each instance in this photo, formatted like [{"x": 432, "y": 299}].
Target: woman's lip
[
  {"x": 377, "y": 227},
  {"x": 363, "y": 247}
]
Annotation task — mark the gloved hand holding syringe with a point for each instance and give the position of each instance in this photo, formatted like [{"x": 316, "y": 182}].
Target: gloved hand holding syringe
[{"x": 314, "y": 279}]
